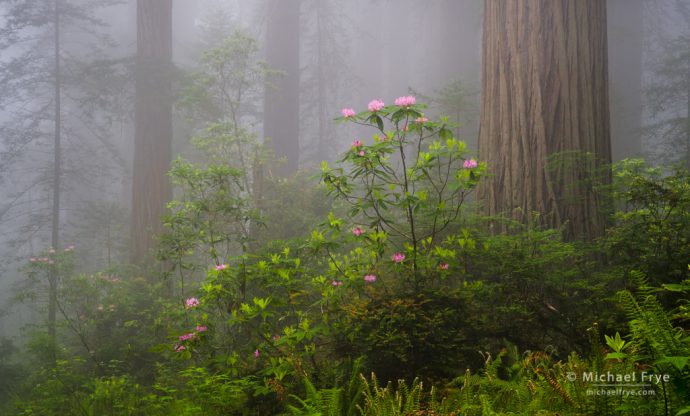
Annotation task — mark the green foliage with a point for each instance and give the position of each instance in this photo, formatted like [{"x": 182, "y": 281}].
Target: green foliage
[
  {"x": 404, "y": 284},
  {"x": 652, "y": 231},
  {"x": 324, "y": 402},
  {"x": 410, "y": 183},
  {"x": 657, "y": 343},
  {"x": 387, "y": 401}
]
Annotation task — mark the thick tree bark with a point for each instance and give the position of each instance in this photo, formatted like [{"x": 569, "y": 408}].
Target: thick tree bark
[
  {"x": 545, "y": 93},
  {"x": 281, "y": 112},
  {"x": 151, "y": 188}
]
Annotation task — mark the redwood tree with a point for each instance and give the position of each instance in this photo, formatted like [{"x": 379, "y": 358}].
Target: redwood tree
[
  {"x": 544, "y": 128},
  {"x": 151, "y": 188},
  {"x": 281, "y": 112}
]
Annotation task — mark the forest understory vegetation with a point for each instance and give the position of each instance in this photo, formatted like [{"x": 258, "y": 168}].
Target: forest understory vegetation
[
  {"x": 378, "y": 291},
  {"x": 273, "y": 260}
]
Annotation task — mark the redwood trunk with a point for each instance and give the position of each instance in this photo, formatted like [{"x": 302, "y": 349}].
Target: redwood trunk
[
  {"x": 151, "y": 188},
  {"x": 545, "y": 93},
  {"x": 281, "y": 114}
]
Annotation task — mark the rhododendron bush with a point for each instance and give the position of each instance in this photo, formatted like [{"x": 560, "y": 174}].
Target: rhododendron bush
[{"x": 296, "y": 310}]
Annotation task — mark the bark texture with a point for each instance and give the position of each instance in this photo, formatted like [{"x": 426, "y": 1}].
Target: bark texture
[
  {"x": 281, "y": 113},
  {"x": 544, "y": 94},
  {"x": 151, "y": 189}
]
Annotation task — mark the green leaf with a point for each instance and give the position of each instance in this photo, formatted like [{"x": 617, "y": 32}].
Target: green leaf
[
  {"x": 674, "y": 287},
  {"x": 379, "y": 121},
  {"x": 616, "y": 356},
  {"x": 678, "y": 362}
]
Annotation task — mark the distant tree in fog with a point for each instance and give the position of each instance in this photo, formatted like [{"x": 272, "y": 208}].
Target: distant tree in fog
[
  {"x": 626, "y": 40},
  {"x": 45, "y": 97},
  {"x": 151, "y": 189},
  {"x": 324, "y": 76},
  {"x": 668, "y": 91},
  {"x": 281, "y": 105},
  {"x": 545, "y": 97}
]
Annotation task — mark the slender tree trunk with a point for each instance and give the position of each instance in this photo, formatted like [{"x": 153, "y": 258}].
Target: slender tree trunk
[
  {"x": 687, "y": 114},
  {"x": 545, "y": 92},
  {"x": 151, "y": 188},
  {"x": 321, "y": 81},
  {"x": 625, "y": 60},
  {"x": 281, "y": 112},
  {"x": 57, "y": 172}
]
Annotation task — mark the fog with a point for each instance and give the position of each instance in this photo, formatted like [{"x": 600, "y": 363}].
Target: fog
[{"x": 115, "y": 159}]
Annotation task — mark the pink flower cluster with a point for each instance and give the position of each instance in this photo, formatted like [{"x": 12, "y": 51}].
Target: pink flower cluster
[
  {"x": 357, "y": 144},
  {"x": 375, "y": 105},
  {"x": 348, "y": 112},
  {"x": 470, "y": 164},
  {"x": 443, "y": 266},
  {"x": 186, "y": 337},
  {"x": 421, "y": 120},
  {"x": 398, "y": 257},
  {"x": 357, "y": 231},
  {"x": 370, "y": 278},
  {"x": 405, "y": 101},
  {"x": 191, "y": 303},
  {"x": 336, "y": 283},
  {"x": 221, "y": 266}
]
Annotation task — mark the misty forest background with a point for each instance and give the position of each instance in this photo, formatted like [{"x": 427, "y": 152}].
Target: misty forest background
[{"x": 318, "y": 207}]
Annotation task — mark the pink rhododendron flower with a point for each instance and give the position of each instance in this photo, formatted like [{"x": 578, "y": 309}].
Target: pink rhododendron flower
[
  {"x": 336, "y": 283},
  {"x": 221, "y": 266},
  {"x": 180, "y": 348},
  {"x": 376, "y": 105},
  {"x": 421, "y": 120},
  {"x": 186, "y": 337},
  {"x": 361, "y": 153},
  {"x": 256, "y": 353},
  {"x": 357, "y": 143},
  {"x": 405, "y": 101},
  {"x": 357, "y": 231},
  {"x": 201, "y": 328},
  {"x": 470, "y": 164},
  {"x": 191, "y": 303},
  {"x": 370, "y": 278},
  {"x": 398, "y": 257},
  {"x": 443, "y": 266},
  {"x": 347, "y": 112}
]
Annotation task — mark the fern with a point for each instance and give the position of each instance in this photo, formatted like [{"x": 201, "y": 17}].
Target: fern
[
  {"x": 657, "y": 342},
  {"x": 323, "y": 402},
  {"x": 386, "y": 401}
]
